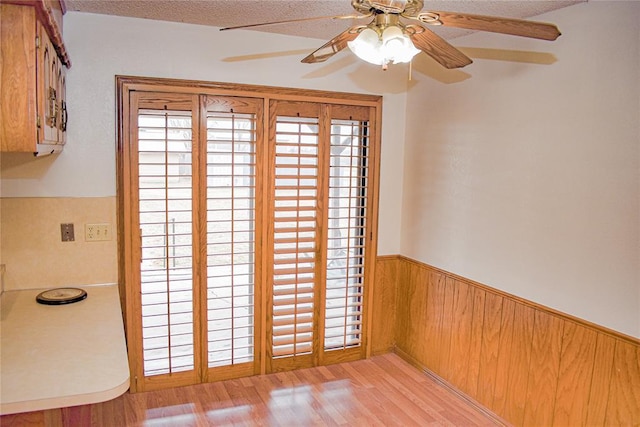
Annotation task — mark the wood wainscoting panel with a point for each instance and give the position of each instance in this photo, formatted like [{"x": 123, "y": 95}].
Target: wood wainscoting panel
[
  {"x": 624, "y": 394},
  {"x": 489, "y": 350},
  {"x": 543, "y": 369},
  {"x": 505, "y": 350},
  {"x": 529, "y": 364},
  {"x": 432, "y": 348},
  {"x": 412, "y": 302},
  {"x": 449, "y": 328},
  {"x": 384, "y": 305},
  {"x": 576, "y": 369},
  {"x": 518, "y": 364},
  {"x": 461, "y": 320},
  {"x": 600, "y": 379},
  {"x": 470, "y": 386}
]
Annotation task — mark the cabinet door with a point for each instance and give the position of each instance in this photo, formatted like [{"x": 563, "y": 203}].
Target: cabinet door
[{"x": 18, "y": 102}]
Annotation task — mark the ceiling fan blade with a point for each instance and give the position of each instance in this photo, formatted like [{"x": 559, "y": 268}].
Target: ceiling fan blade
[
  {"x": 315, "y": 18},
  {"x": 437, "y": 48},
  {"x": 495, "y": 24},
  {"x": 332, "y": 47}
]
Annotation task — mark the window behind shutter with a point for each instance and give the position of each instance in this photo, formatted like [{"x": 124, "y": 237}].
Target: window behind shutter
[
  {"x": 346, "y": 232},
  {"x": 231, "y": 229},
  {"x": 165, "y": 203}
]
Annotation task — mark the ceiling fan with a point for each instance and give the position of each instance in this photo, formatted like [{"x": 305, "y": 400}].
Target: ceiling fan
[{"x": 395, "y": 34}]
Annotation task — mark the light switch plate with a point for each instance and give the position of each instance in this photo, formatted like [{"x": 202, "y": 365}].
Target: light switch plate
[{"x": 66, "y": 232}]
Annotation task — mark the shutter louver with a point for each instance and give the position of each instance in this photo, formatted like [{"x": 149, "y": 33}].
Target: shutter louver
[{"x": 296, "y": 190}]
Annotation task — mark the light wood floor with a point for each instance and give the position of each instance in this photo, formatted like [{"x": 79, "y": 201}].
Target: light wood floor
[{"x": 381, "y": 391}]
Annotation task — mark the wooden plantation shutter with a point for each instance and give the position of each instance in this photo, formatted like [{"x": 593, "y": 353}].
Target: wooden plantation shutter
[
  {"x": 196, "y": 204},
  {"x": 232, "y": 128},
  {"x": 246, "y": 228},
  {"x": 165, "y": 131},
  {"x": 320, "y": 199},
  {"x": 347, "y": 221},
  {"x": 294, "y": 145}
]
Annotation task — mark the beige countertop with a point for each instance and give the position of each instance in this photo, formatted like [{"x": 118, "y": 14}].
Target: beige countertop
[{"x": 59, "y": 356}]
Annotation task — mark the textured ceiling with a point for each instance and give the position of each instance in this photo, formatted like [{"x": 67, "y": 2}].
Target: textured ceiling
[{"x": 223, "y": 13}]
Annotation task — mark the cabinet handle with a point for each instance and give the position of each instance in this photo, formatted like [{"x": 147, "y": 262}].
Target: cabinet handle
[
  {"x": 52, "y": 117},
  {"x": 64, "y": 116}
]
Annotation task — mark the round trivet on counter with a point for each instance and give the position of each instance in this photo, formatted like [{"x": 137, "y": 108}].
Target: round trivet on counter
[{"x": 59, "y": 296}]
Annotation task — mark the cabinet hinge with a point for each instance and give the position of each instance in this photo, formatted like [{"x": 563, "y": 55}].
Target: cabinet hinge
[
  {"x": 38, "y": 125},
  {"x": 37, "y": 42}
]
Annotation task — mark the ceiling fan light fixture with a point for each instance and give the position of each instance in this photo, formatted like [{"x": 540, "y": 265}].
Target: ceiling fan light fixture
[
  {"x": 397, "y": 46},
  {"x": 393, "y": 46},
  {"x": 367, "y": 46}
]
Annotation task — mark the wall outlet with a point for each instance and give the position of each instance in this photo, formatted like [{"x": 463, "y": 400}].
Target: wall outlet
[
  {"x": 66, "y": 232},
  {"x": 97, "y": 232}
]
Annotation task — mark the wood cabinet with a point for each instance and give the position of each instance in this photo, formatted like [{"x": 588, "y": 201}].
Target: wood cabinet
[{"x": 33, "y": 62}]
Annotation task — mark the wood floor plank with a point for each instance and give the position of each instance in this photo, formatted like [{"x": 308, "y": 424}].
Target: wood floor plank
[
  {"x": 417, "y": 388},
  {"x": 328, "y": 403},
  {"x": 381, "y": 391},
  {"x": 406, "y": 390},
  {"x": 27, "y": 419}
]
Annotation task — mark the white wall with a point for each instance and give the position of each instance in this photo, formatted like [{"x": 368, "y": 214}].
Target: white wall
[
  {"x": 521, "y": 176},
  {"x": 526, "y": 177},
  {"x": 102, "y": 47}
]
